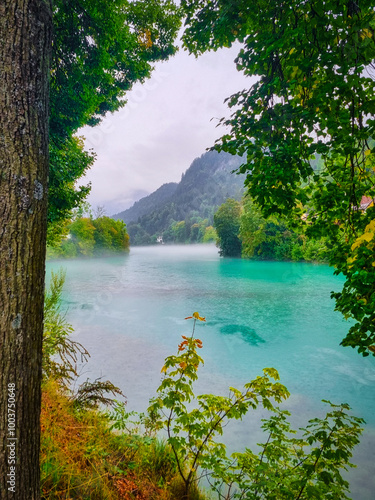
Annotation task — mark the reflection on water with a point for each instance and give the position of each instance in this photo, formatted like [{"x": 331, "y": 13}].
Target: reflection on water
[{"x": 129, "y": 312}]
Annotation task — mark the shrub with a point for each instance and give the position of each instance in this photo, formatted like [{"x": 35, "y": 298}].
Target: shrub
[{"x": 287, "y": 467}]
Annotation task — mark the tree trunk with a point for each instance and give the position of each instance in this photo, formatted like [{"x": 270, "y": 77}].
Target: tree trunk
[{"x": 25, "y": 47}]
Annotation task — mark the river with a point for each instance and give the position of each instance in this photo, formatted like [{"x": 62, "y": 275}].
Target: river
[{"x": 129, "y": 311}]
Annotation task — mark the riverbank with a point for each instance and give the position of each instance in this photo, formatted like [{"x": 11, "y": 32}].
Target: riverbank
[{"x": 81, "y": 457}]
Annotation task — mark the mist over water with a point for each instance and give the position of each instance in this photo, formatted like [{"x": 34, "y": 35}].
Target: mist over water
[{"x": 129, "y": 311}]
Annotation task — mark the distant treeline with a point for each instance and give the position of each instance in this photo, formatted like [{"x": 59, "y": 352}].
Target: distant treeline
[
  {"x": 88, "y": 236},
  {"x": 243, "y": 232},
  {"x": 194, "y": 230}
]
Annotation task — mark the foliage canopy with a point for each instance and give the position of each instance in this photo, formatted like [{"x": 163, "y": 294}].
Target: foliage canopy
[
  {"x": 100, "y": 50},
  {"x": 314, "y": 95}
]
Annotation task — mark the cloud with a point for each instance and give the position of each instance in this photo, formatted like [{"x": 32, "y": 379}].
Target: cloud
[{"x": 167, "y": 122}]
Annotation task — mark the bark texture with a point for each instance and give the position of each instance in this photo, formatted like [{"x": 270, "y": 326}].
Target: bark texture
[{"x": 25, "y": 46}]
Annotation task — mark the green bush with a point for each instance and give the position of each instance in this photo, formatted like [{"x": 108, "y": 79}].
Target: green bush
[{"x": 92, "y": 237}]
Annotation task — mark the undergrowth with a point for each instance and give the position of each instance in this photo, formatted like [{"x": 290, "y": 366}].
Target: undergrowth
[
  {"x": 85, "y": 455},
  {"x": 89, "y": 453},
  {"x": 81, "y": 458}
]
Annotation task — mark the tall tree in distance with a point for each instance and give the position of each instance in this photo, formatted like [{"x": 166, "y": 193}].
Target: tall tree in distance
[
  {"x": 314, "y": 95},
  {"x": 227, "y": 222},
  {"x": 25, "y": 50}
]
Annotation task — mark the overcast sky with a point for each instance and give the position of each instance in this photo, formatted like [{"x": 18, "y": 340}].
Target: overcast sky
[{"x": 168, "y": 122}]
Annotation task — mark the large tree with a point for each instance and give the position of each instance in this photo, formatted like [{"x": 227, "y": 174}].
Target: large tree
[
  {"x": 314, "y": 95},
  {"x": 25, "y": 50},
  {"x": 98, "y": 50}
]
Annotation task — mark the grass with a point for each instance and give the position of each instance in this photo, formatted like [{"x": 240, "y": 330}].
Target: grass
[{"x": 81, "y": 458}]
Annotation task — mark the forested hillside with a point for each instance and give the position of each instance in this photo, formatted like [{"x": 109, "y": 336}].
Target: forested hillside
[
  {"x": 148, "y": 204},
  {"x": 186, "y": 215}
]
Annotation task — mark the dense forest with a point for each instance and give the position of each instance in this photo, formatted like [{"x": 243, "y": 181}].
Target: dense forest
[
  {"x": 183, "y": 212},
  {"x": 243, "y": 231},
  {"x": 91, "y": 236}
]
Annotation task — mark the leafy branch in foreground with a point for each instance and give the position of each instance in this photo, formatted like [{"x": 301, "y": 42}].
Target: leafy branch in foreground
[
  {"x": 290, "y": 467},
  {"x": 287, "y": 467},
  {"x": 305, "y": 129}
]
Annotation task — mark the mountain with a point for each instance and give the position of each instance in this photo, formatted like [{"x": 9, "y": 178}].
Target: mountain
[
  {"x": 148, "y": 204},
  {"x": 182, "y": 212}
]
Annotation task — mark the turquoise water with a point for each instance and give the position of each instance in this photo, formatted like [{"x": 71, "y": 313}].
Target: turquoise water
[{"x": 129, "y": 312}]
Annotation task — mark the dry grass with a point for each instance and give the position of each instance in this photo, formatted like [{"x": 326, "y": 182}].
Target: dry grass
[{"x": 82, "y": 459}]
